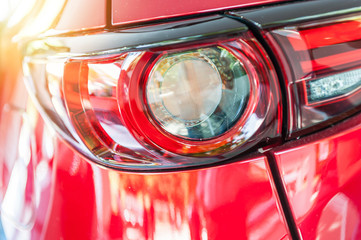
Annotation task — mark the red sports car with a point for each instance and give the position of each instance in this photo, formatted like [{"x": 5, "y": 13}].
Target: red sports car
[{"x": 152, "y": 119}]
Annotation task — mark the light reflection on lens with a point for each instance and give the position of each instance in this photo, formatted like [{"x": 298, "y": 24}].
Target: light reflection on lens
[
  {"x": 197, "y": 94},
  {"x": 197, "y": 88}
]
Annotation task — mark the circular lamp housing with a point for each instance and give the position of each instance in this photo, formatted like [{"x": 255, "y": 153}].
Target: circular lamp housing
[
  {"x": 201, "y": 101},
  {"x": 199, "y": 94}
]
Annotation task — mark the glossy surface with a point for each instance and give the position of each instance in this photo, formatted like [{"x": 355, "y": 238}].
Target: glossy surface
[
  {"x": 294, "y": 12},
  {"x": 322, "y": 175},
  {"x": 146, "y": 10},
  {"x": 214, "y": 93},
  {"x": 75, "y": 199},
  {"x": 116, "y": 128},
  {"x": 251, "y": 125},
  {"x": 47, "y": 191},
  {"x": 145, "y": 37}
]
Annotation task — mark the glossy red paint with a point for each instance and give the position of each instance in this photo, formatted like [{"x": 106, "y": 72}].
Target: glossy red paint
[
  {"x": 131, "y": 12},
  {"x": 321, "y": 174},
  {"x": 150, "y": 10},
  {"x": 47, "y": 191},
  {"x": 81, "y": 200}
]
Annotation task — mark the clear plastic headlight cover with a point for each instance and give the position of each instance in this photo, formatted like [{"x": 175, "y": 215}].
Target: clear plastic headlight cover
[
  {"x": 160, "y": 107},
  {"x": 198, "y": 94}
]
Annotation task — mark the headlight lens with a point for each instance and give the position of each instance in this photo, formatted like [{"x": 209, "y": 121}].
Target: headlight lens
[{"x": 198, "y": 94}]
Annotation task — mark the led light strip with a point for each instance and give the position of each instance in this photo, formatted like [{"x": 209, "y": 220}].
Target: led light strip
[{"x": 333, "y": 86}]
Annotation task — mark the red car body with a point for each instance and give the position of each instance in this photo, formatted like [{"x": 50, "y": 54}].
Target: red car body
[{"x": 303, "y": 186}]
